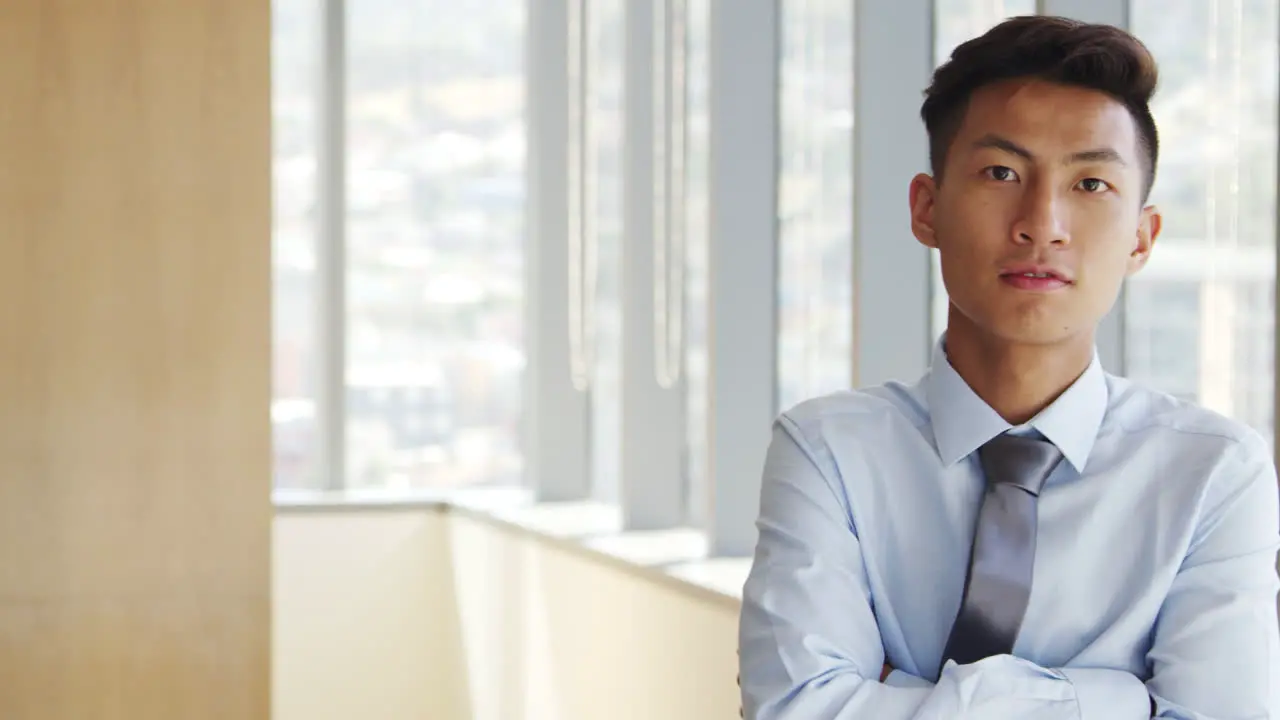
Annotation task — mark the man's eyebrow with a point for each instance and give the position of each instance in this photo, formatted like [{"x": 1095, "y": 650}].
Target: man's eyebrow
[
  {"x": 1005, "y": 144},
  {"x": 1101, "y": 154}
]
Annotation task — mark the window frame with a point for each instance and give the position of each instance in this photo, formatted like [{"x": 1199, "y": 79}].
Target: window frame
[{"x": 892, "y": 277}]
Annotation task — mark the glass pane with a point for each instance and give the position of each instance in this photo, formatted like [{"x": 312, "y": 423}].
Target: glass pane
[
  {"x": 815, "y": 200},
  {"x": 1199, "y": 319},
  {"x": 697, "y": 157},
  {"x": 295, "y": 50},
  {"x": 603, "y": 230},
  {"x": 956, "y": 21},
  {"x": 435, "y": 197}
]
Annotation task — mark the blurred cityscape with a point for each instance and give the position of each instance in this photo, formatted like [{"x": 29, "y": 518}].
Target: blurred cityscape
[
  {"x": 435, "y": 208},
  {"x": 815, "y": 200},
  {"x": 1200, "y": 318},
  {"x": 435, "y": 224}
]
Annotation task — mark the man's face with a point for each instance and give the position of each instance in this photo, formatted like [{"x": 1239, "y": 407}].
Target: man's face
[{"x": 1038, "y": 217}]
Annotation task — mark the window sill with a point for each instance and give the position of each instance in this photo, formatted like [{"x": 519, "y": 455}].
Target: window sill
[{"x": 676, "y": 557}]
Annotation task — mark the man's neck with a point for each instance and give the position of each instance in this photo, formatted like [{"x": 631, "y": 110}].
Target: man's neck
[{"x": 1016, "y": 380}]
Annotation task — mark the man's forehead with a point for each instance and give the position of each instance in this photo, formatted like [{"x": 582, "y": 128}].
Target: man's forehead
[{"x": 1058, "y": 118}]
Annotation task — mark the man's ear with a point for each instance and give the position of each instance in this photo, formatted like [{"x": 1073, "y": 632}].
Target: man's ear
[
  {"x": 1149, "y": 224},
  {"x": 923, "y": 196}
]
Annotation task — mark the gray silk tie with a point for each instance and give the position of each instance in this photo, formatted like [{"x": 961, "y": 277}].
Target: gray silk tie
[{"x": 998, "y": 584}]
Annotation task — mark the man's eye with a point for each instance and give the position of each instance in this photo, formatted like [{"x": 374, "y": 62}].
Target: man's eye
[
  {"x": 1094, "y": 185},
  {"x": 1000, "y": 173}
]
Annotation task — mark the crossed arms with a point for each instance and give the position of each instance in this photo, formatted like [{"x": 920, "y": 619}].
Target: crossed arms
[{"x": 811, "y": 649}]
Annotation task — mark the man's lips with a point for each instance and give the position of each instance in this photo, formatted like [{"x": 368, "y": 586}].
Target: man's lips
[{"x": 1034, "y": 277}]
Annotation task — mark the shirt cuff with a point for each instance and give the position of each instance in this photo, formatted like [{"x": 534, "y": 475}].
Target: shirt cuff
[{"x": 1105, "y": 693}]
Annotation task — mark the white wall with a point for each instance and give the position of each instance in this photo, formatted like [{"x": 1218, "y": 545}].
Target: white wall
[
  {"x": 365, "y": 624},
  {"x": 425, "y": 614}
]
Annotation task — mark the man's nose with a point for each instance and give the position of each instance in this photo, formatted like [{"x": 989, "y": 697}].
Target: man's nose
[{"x": 1041, "y": 219}]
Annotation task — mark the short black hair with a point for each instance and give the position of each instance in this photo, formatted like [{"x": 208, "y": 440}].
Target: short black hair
[{"x": 1055, "y": 49}]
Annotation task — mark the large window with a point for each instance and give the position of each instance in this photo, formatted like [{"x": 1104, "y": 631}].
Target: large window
[
  {"x": 815, "y": 200},
  {"x": 1199, "y": 320},
  {"x": 429, "y": 100},
  {"x": 295, "y": 105},
  {"x": 956, "y": 21},
  {"x": 435, "y": 198}
]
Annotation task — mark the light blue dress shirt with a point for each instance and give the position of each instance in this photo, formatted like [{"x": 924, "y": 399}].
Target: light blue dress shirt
[{"x": 1155, "y": 572}]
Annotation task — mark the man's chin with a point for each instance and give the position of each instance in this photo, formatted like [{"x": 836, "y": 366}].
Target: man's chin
[
  {"x": 1039, "y": 323},
  {"x": 1041, "y": 331},
  {"x": 1047, "y": 335}
]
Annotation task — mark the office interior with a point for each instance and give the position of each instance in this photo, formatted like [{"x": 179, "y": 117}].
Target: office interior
[{"x": 408, "y": 359}]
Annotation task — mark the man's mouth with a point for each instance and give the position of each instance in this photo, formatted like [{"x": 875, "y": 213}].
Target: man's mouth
[{"x": 1035, "y": 277}]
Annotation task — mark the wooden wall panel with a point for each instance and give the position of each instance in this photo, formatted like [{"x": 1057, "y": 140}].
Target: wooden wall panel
[{"x": 134, "y": 359}]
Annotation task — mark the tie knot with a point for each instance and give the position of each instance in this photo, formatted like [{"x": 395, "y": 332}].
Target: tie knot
[{"x": 1022, "y": 461}]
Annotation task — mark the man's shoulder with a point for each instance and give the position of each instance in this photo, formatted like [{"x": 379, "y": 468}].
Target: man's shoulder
[
  {"x": 855, "y": 414},
  {"x": 1138, "y": 409}
]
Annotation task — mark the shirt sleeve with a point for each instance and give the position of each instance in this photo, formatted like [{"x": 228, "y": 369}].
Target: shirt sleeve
[
  {"x": 1216, "y": 647},
  {"x": 1103, "y": 693},
  {"x": 809, "y": 643},
  {"x": 808, "y": 639}
]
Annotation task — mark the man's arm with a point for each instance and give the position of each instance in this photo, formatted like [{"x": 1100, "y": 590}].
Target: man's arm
[
  {"x": 810, "y": 645},
  {"x": 1216, "y": 650}
]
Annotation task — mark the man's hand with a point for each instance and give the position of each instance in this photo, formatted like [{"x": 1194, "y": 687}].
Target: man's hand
[{"x": 884, "y": 674}]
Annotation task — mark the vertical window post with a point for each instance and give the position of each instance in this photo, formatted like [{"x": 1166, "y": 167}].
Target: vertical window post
[
  {"x": 331, "y": 265},
  {"x": 892, "y": 275},
  {"x": 652, "y": 266},
  {"x": 555, "y": 410},
  {"x": 742, "y": 335}
]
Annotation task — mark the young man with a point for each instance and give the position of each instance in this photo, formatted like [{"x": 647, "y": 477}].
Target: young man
[{"x": 1020, "y": 534}]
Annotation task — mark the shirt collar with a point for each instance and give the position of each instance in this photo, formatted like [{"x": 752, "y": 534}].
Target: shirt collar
[{"x": 963, "y": 422}]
